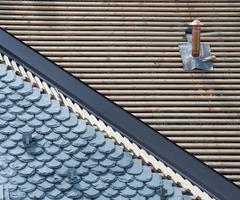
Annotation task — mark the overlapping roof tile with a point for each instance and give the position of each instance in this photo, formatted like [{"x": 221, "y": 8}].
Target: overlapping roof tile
[{"x": 46, "y": 152}]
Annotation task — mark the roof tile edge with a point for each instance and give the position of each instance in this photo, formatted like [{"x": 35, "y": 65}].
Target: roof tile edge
[{"x": 80, "y": 111}]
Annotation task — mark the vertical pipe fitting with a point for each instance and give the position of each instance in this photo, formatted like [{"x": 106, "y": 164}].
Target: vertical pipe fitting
[{"x": 196, "y": 31}]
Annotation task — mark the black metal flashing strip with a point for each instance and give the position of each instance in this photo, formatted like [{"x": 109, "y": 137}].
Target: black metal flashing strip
[{"x": 172, "y": 155}]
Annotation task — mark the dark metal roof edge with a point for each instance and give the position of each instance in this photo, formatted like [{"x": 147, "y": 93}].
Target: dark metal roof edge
[{"x": 158, "y": 145}]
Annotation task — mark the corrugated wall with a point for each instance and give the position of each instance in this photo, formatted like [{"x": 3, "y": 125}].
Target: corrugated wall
[{"x": 127, "y": 50}]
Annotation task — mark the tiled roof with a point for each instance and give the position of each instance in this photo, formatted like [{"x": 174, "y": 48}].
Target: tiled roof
[
  {"x": 128, "y": 51},
  {"x": 46, "y": 152}
]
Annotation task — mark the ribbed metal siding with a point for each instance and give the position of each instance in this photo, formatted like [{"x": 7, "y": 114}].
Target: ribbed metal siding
[{"x": 127, "y": 50}]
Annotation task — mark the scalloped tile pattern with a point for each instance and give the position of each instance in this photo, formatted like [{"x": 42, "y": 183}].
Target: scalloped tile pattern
[{"x": 46, "y": 152}]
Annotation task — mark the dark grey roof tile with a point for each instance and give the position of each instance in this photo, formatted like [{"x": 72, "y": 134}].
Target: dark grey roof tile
[
  {"x": 117, "y": 154},
  {"x": 98, "y": 170},
  {"x": 52, "y": 150},
  {"x": 107, "y": 163},
  {"x": 116, "y": 170},
  {"x": 27, "y": 187},
  {"x": 17, "y": 180},
  {"x": 72, "y": 162},
  {"x": 109, "y": 192},
  {"x": 25, "y": 117},
  {"x": 99, "y": 140},
  {"x": 26, "y": 89},
  {"x": 146, "y": 174},
  {"x": 90, "y": 163},
  {"x": 8, "y": 77},
  {"x": 2, "y": 137},
  {"x": 44, "y": 101},
  {"x": 2, "y": 150},
  {"x": 100, "y": 185},
  {"x": 2, "y": 97},
  {"x": 16, "y": 151},
  {"x": 6, "y": 91},
  {"x": 17, "y": 195},
  {"x": 71, "y": 122},
  {"x": 108, "y": 146},
  {"x": 54, "y": 108},
  {"x": 89, "y": 149},
  {"x": 3, "y": 110},
  {"x": 34, "y": 149},
  {"x": 3, "y": 70},
  {"x": 91, "y": 193},
  {"x": 33, "y": 110},
  {"x": 62, "y": 171},
  {"x": 167, "y": 185},
  {"x": 43, "y": 116},
  {"x": 126, "y": 178},
  {"x": 35, "y": 123},
  {"x": 35, "y": 164},
  {"x": 52, "y": 136},
  {"x": 108, "y": 177},
  {"x": 36, "y": 179},
  {"x": 26, "y": 157},
  {"x": 43, "y": 130},
  {"x": 37, "y": 194},
  {"x": 17, "y": 165},
  {"x": 46, "y": 186},
  {"x": 71, "y": 150},
  {"x": 128, "y": 192},
  {"x": 82, "y": 185},
  {"x": 16, "y": 110},
  {"x": 155, "y": 182},
  {"x": 45, "y": 171},
  {"x": 44, "y": 157},
  {"x": 17, "y": 123},
  {"x": 8, "y": 144},
  {"x": 80, "y": 127},
  {"x": 55, "y": 194},
  {"x": 82, "y": 171},
  {"x": 15, "y": 97},
  {"x": 17, "y": 83},
  {"x": 74, "y": 194},
  {"x": 61, "y": 129},
  {"x": 80, "y": 156},
  {"x": 35, "y": 95},
  {"x": 62, "y": 142},
  {"x": 7, "y": 116},
  {"x": 88, "y": 134},
  {"x": 52, "y": 123},
  {"x": 146, "y": 192},
  {"x": 3, "y": 123},
  {"x": 8, "y": 130},
  {"x": 55, "y": 179},
  {"x": 97, "y": 156},
  {"x": 6, "y": 104},
  {"x": 63, "y": 186},
  {"x": 63, "y": 115},
  {"x": 118, "y": 185},
  {"x": 126, "y": 161},
  {"x": 26, "y": 171},
  {"x": 8, "y": 172},
  {"x": 79, "y": 142},
  {"x": 90, "y": 178},
  {"x": 26, "y": 129},
  {"x": 70, "y": 136},
  {"x": 24, "y": 103}
]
